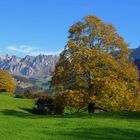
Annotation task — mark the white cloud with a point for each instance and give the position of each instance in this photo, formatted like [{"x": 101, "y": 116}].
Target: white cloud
[
  {"x": 21, "y": 48},
  {"x": 28, "y": 50}
]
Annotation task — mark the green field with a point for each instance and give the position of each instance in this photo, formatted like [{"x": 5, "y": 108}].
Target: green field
[{"x": 18, "y": 123}]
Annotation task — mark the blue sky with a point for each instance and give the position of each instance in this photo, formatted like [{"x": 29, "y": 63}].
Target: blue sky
[{"x": 40, "y": 26}]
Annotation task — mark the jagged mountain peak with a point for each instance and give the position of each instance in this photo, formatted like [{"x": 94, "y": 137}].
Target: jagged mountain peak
[
  {"x": 6, "y": 56},
  {"x": 30, "y": 66}
]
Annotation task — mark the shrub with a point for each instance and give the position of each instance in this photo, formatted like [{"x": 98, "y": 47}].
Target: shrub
[
  {"x": 7, "y": 83},
  {"x": 42, "y": 95},
  {"x": 75, "y": 100},
  {"x": 28, "y": 95}
]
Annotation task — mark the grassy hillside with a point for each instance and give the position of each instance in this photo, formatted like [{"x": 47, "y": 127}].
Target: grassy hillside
[{"x": 17, "y": 123}]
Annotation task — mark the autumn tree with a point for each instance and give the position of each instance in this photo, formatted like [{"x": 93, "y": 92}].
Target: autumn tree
[
  {"x": 96, "y": 60},
  {"x": 7, "y": 83}
]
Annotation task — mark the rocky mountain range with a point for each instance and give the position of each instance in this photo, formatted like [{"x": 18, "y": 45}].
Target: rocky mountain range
[
  {"x": 40, "y": 66},
  {"x": 32, "y": 73}
]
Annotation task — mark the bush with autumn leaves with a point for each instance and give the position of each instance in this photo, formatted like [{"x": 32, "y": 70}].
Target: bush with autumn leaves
[
  {"x": 96, "y": 67},
  {"x": 7, "y": 83}
]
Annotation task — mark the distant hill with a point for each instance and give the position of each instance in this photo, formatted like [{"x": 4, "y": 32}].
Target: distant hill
[
  {"x": 37, "y": 67},
  {"x": 24, "y": 85},
  {"x": 31, "y": 73},
  {"x": 135, "y": 54}
]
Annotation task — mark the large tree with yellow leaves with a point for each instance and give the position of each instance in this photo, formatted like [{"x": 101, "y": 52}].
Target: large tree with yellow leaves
[{"x": 96, "y": 65}]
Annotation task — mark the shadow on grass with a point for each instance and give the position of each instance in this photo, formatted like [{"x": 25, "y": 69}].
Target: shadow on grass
[
  {"x": 98, "y": 134},
  {"x": 22, "y": 112},
  {"x": 28, "y": 110},
  {"x": 120, "y": 115},
  {"x": 15, "y": 113}
]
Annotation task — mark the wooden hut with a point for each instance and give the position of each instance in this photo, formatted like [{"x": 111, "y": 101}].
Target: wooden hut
[{"x": 44, "y": 104}]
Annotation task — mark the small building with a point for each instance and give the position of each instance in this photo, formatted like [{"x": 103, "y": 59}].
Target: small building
[{"x": 44, "y": 104}]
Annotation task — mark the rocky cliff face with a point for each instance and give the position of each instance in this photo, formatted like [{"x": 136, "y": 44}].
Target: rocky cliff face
[
  {"x": 40, "y": 66},
  {"x": 135, "y": 53}
]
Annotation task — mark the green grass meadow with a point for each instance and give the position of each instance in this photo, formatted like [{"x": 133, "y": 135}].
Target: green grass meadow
[{"x": 18, "y": 123}]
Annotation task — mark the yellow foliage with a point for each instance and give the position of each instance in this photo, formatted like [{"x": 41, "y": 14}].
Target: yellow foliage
[
  {"x": 7, "y": 83},
  {"x": 75, "y": 99},
  {"x": 95, "y": 66}
]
